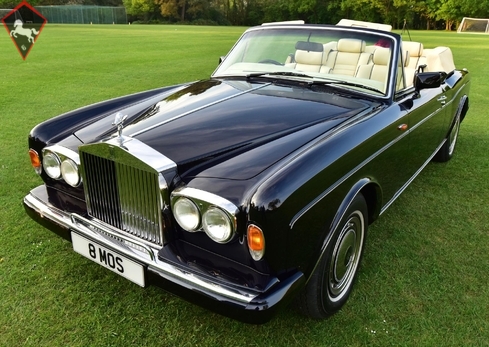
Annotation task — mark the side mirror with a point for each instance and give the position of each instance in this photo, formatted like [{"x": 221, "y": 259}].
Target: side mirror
[
  {"x": 428, "y": 80},
  {"x": 221, "y": 59}
]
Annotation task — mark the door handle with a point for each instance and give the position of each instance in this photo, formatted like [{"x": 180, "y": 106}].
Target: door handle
[{"x": 442, "y": 99}]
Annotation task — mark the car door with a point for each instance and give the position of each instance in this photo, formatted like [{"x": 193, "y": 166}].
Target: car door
[{"x": 427, "y": 124}]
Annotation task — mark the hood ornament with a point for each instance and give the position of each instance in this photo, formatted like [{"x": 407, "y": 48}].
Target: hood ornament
[{"x": 119, "y": 123}]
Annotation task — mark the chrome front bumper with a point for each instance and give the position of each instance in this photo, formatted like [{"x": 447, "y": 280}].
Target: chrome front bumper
[{"x": 133, "y": 249}]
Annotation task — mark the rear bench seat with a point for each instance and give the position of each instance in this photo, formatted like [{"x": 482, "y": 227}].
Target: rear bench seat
[
  {"x": 436, "y": 59},
  {"x": 440, "y": 59},
  {"x": 379, "y": 70},
  {"x": 351, "y": 57},
  {"x": 342, "y": 57},
  {"x": 349, "y": 54}
]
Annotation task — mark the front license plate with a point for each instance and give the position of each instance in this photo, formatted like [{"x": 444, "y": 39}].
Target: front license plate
[{"x": 109, "y": 259}]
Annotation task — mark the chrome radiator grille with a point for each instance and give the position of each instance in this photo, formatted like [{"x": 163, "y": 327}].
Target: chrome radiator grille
[{"x": 124, "y": 196}]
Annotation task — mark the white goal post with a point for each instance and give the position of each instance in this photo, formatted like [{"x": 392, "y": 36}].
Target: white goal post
[
  {"x": 4, "y": 12},
  {"x": 474, "y": 26}
]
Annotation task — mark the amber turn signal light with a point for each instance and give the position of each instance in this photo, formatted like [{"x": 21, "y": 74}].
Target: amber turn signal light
[
  {"x": 256, "y": 241},
  {"x": 35, "y": 160}
]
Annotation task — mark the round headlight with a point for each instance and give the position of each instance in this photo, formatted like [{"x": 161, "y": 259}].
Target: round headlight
[
  {"x": 69, "y": 171},
  {"x": 217, "y": 225},
  {"x": 52, "y": 165},
  {"x": 187, "y": 214}
]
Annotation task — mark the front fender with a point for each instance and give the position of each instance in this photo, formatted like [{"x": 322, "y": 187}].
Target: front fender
[{"x": 372, "y": 194}]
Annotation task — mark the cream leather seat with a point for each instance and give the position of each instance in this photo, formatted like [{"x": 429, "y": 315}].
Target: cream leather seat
[
  {"x": 415, "y": 50},
  {"x": 440, "y": 59},
  {"x": 308, "y": 56},
  {"x": 379, "y": 69},
  {"x": 436, "y": 59},
  {"x": 350, "y": 53}
]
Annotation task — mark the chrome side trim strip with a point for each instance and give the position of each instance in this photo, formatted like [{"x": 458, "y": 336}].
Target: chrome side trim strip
[
  {"x": 305, "y": 209},
  {"x": 344, "y": 178},
  {"x": 154, "y": 264}
]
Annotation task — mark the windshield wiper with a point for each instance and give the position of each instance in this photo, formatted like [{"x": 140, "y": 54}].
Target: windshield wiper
[
  {"x": 345, "y": 83},
  {"x": 313, "y": 81}
]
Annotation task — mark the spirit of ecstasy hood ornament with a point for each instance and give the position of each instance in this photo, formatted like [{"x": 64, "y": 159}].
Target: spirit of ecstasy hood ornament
[{"x": 119, "y": 123}]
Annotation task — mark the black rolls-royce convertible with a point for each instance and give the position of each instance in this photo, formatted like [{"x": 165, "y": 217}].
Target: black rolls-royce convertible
[{"x": 255, "y": 187}]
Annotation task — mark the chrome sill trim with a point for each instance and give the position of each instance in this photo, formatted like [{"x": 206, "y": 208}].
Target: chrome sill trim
[{"x": 166, "y": 270}]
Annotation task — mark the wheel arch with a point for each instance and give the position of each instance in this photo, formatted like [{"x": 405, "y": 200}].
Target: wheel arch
[{"x": 372, "y": 194}]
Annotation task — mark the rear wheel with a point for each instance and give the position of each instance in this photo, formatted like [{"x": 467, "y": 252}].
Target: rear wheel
[
  {"x": 445, "y": 153},
  {"x": 332, "y": 281}
]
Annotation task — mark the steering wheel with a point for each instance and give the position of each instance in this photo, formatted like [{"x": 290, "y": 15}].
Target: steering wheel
[{"x": 269, "y": 61}]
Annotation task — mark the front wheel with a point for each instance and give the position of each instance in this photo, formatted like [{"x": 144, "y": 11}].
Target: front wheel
[{"x": 332, "y": 281}]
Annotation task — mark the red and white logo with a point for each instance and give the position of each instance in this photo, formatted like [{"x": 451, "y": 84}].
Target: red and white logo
[{"x": 24, "y": 25}]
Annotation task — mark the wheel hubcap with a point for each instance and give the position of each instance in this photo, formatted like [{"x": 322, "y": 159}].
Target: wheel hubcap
[{"x": 346, "y": 256}]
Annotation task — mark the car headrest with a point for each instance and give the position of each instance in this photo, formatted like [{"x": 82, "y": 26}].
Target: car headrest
[
  {"x": 309, "y": 46},
  {"x": 415, "y": 49},
  {"x": 351, "y": 45},
  {"x": 382, "y": 56}
]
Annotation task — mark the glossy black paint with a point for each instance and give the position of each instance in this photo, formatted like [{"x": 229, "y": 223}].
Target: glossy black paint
[
  {"x": 291, "y": 156},
  {"x": 428, "y": 80},
  {"x": 275, "y": 293}
]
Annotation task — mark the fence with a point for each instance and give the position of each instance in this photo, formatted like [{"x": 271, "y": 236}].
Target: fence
[{"x": 78, "y": 14}]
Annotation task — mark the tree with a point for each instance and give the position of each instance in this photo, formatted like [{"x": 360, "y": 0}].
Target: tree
[
  {"x": 450, "y": 12},
  {"x": 140, "y": 8}
]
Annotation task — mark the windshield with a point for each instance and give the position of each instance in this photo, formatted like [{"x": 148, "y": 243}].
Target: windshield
[{"x": 348, "y": 58}]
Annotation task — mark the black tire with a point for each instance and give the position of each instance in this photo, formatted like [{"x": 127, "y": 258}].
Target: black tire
[
  {"x": 445, "y": 153},
  {"x": 331, "y": 283}
]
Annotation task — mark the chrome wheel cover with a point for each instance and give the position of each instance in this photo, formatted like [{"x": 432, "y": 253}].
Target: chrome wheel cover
[{"x": 346, "y": 256}]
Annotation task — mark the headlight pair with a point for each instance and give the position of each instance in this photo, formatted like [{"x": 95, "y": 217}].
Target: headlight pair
[
  {"x": 196, "y": 210},
  {"x": 59, "y": 162}
]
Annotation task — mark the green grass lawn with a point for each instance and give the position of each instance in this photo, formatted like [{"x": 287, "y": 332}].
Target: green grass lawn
[{"x": 424, "y": 277}]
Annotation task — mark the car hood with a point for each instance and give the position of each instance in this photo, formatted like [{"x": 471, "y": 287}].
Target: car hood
[{"x": 230, "y": 128}]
